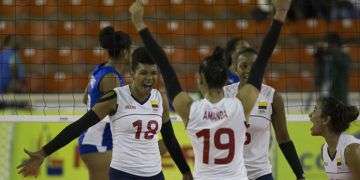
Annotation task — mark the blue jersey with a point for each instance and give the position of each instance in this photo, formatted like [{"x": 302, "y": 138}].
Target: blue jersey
[
  {"x": 232, "y": 78},
  {"x": 93, "y": 89},
  {"x": 8, "y": 58},
  {"x": 98, "y": 138}
]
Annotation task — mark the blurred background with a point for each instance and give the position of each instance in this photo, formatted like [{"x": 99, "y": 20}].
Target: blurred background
[{"x": 49, "y": 48}]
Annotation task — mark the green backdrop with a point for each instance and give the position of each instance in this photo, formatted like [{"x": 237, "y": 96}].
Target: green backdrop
[{"x": 65, "y": 164}]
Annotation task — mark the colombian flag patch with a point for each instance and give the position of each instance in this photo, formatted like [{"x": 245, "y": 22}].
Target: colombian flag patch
[
  {"x": 154, "y": 104},
  {"x": 262, "y": 105}
]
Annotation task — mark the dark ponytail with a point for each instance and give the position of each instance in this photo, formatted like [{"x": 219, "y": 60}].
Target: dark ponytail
[
  {"x": 340, "y": 115},
  {"x": 351, "y": 113},
  {"x": 231, "y": 48},
  {"x": 214, "y": 70},
  {"x": 115, "y": 42}
]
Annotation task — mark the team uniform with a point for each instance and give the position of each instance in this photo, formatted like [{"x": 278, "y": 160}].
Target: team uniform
[
  {"x": 98, "y": 137},
  {"x": 134, "y": 127},
  {"x": 232, "y": 78},
  {"x": 258, "y": 134},
  {"x": 217, "y": 133},
  {"x": 336, "y": 169}
]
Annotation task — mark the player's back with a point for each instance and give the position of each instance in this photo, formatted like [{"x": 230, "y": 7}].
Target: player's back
[{"x": 217, "y": 132}]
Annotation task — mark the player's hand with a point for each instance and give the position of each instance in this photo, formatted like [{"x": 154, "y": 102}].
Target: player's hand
[
  {"x": 188, "y": 176},
  {"x": 137, "y": 13},
  {"x": 31, "y": 166},
  {"x": 281, "y": 9}
]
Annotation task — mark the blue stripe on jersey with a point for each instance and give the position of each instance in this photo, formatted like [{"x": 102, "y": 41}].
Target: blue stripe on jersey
[{"x": 93, "y": 89}]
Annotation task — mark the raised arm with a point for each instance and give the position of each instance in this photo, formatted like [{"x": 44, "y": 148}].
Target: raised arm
[
  {"x": 249, "y": 92},
  {"x": 181, "y": 100},
  {"x": 105, "y": 106},
  {"x": 278, "y": 120}
]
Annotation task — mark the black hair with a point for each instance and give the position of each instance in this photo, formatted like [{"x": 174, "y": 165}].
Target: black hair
[
  {"x": 248, "y": 50},
  {"x": 340, "y": 114},
  {"x": 10, "y": 41},
  {"x": 141, "y": 55},
  {"x": 229, "y": 49},
  {"x": 214, "y": 70},
  {"x": 115, "y": 42},
  {"x": 333, "y": 38}
]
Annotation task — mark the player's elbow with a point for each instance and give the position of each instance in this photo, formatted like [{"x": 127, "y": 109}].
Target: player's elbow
[{"x": 282, "y": 137}]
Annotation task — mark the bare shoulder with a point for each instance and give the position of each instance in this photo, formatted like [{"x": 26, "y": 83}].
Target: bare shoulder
[
  {"x": 352, "y": 154},
  {"x": 353, "y": 150}
]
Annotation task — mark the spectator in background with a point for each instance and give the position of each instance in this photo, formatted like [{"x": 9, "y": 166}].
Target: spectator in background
[
  {"x": 335, "y": 73},
  {"x": 12, "y": 71},
  {"x": 308, "y": 9},
  {"x": 319, "y": 64},
  {"x": 356, "y": 5},
  {"x": 305, "y": 9},
  {"x": 345, "y": 9}
]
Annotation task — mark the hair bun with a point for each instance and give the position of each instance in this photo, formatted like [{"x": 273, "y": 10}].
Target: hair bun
[
  {"x": 218, "y": 54},
  {"x": 351, "y": 113},
  {"x": 107, "y": 37}
]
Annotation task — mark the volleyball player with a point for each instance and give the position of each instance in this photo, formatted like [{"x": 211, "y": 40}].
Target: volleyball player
[
  {"x": 137, "y": 112},
  {"x": 269, "y": 109},
  {"x": 341, "y": 152},
  {"x": 95, "y": 144},
  {"x": 215, "y": 123},
  {"x": 232, "y": 49}
]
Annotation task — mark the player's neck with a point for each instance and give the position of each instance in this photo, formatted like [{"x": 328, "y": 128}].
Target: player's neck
[
  {"x": 117, "y": 64},
  {"x": 137, "y": 94},
  {"x": 241, "y": 83},
  {"x": 332, "y": 140},
  {"x": 214, "y": 95}
]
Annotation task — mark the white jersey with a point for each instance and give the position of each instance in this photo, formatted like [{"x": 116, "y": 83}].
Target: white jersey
[
  {"x": 258, "y": 134},
  {"x": 217, "y": 133},
  {"x": 134, "y": 127},
  {"x": 336, "y": 168}
]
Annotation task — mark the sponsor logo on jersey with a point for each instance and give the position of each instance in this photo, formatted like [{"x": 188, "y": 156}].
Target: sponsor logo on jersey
[{"x": 130, "y": 107}]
